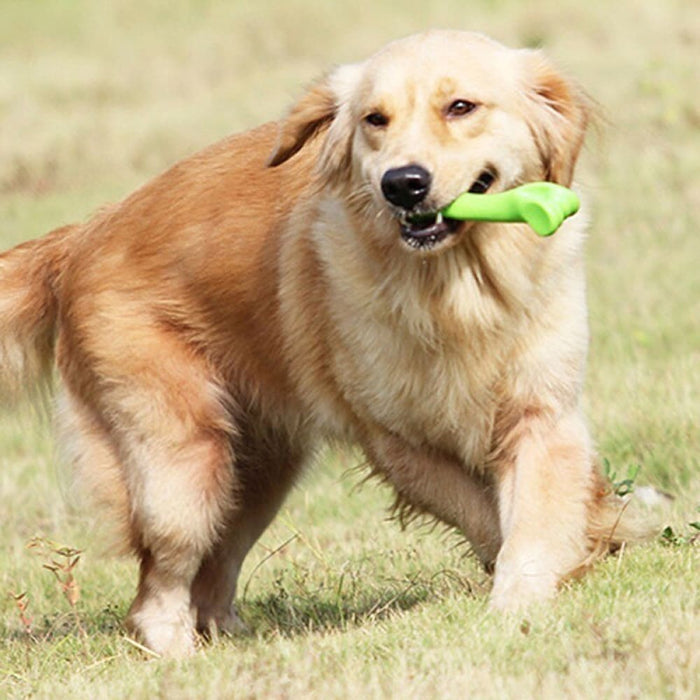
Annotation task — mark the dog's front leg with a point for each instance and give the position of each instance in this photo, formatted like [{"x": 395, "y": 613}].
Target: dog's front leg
[
  {"x": 544, "y": 494},
  {"x": 434, "y": 483}
]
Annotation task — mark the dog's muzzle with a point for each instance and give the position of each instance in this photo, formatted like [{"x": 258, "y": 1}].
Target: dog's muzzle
[{"x": 407, "y": 188}]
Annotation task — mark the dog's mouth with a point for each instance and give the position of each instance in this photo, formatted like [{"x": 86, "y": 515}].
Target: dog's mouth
[{"x": 425, "y": 230}]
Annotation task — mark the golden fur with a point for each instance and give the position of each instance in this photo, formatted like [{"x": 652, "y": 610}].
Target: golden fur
[{"x": 258, "y": 297}]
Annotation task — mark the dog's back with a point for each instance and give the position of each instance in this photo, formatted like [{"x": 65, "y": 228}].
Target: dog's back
[{"x": 196, "y": 248}]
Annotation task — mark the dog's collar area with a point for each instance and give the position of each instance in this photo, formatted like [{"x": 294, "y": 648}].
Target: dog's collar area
[{"x": 424, "y": 230}]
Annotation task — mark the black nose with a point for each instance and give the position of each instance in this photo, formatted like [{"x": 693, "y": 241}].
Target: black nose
[{"x": 405, "y": 187}]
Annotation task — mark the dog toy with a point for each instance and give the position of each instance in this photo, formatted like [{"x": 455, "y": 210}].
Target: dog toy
[{"x": 542, "y": 205}]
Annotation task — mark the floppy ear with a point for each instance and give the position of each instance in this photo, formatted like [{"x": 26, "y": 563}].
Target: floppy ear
[
  {"x": 558, "y": 114},
  {"x": 314, "y": 113},
  {"x": 307, "y": 117}
]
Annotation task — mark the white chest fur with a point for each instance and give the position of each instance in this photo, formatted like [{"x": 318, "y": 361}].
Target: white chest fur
[
  {"x": 419, "y": 345},
  {"x": 431, "y": 348}
]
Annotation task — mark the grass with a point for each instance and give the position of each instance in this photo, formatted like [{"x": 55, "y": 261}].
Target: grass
[{"x": 96, "y": 97}]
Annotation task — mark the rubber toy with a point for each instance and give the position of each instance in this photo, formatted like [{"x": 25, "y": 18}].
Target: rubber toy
[{"x": 542, "y": 205}]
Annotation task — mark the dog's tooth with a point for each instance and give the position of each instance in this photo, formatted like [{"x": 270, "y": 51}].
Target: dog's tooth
[{"x": 438, "y": 218}]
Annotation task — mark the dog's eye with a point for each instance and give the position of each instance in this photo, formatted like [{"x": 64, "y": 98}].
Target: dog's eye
[
  {"x": 377, "y": 119},
  {"x": 460, "y": 108}
]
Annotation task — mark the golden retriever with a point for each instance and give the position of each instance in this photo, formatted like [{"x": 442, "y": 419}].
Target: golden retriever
[{"x": 293, "y": 284}]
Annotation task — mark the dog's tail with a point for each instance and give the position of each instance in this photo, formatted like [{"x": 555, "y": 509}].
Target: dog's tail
[
  {"x": 615, "y": 521},
  {"x": 28, "y": 312}
]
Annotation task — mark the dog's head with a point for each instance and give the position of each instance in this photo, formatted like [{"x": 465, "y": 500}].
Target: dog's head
[{"x": 432, "y": 116}]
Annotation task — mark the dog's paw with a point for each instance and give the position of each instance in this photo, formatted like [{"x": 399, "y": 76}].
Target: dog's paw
[
  {"x": 516, "y": 588},
  {"x": 172, "y": 636},
  {"x": 227, "y": 623}
]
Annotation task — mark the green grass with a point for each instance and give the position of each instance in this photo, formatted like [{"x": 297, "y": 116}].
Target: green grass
[{"x": 96, "y": 97}]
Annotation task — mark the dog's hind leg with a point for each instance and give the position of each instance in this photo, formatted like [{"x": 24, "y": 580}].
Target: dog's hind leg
[
  {"x": 267, "y": 463},
  {"x": 179, "y": 502},
  {"x": 169, "y": 428}
]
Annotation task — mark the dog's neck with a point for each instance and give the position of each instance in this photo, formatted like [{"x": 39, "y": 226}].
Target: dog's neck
[{"x": 434, "y": 297}]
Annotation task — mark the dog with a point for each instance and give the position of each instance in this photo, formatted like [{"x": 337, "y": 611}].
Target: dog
[{"x": 296, "y": 283}]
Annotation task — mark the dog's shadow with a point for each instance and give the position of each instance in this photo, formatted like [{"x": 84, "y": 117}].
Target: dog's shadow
[
  {"x": 272, "y": 616},
  {"x": 284, "y": 614},
  {"x": 280, "y": 613},
  {"x": 268, "y": 617}
]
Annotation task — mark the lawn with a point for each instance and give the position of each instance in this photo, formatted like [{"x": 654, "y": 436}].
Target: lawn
[{"x": 340, "y": 602}]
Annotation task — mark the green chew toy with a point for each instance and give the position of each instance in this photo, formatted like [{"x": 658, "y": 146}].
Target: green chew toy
[{"x": 542, "y": 205}]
